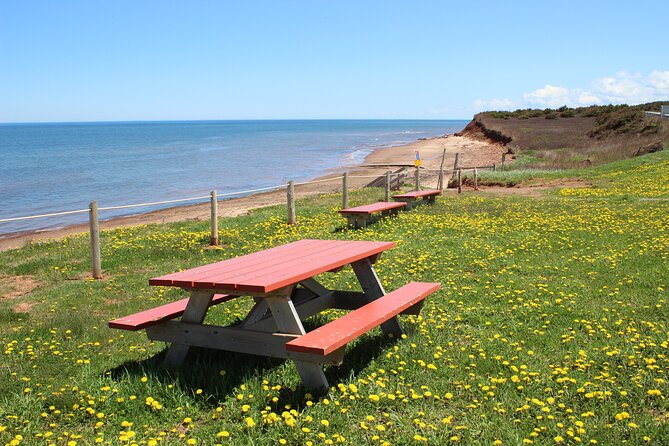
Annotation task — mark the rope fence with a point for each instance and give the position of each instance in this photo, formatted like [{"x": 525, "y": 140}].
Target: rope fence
[
  {"x": 388, "y": 179},
  {"x": 53, "y": 214}
]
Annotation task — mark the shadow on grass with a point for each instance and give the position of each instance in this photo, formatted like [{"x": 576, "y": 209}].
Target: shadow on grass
[
  {"x": 202, "y": 366},
  {"x": 356, "y": 359}
]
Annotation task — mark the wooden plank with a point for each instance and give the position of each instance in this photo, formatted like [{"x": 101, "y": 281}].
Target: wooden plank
[
  {"x": 331, "y": 248},
  {"x": 373, "y": 208},
  {"x": 373, "y": 289},
  {"x": 288, "y": 321},
  {"x": 235, "y": 340},
  {"x": 273, "y": 262},
  {"x": 201, "y": 272},
  {"x": 312, "y": 285},
  {"x": 251, "y": 264},
  {"x": 258, "y": 312},
  {"x": 154, "y": 316},
  {"x": 305, "y": 310},
  {"x": 195, "y": 311},
  {"x": 339, "y": 332},
  {"x": 418, "y": 194},
  {"x": 336, "y": 252},
  {"x": 352, "y": 300},
  {"x": 305, "y": 267}
]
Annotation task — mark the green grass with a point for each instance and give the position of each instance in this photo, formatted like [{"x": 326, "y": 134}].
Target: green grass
[
  {"x": 510, "y": 178},
  {"x": 550, "y": 328}
]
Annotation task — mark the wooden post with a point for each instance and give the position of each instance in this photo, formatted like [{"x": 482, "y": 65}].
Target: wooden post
[
  {"x": 195, "y": 311},
  {"x": 291, "y": 203},
  {"x": 214, "y": 219},
  {"x": 494, "y": 167},
  {"x": 440, "y": 183},
  {"x": 456, "y": 165},
  {"x": 388, "y": 177},
  {"x": 476, "y": 178},
  {"x": 503, "y": 160},
  {"x": 417, "y": 178},
  {"x": 344, "y": 191},
  {"x": 459, "y": 181},
  {"x": 95, "y": 240}
]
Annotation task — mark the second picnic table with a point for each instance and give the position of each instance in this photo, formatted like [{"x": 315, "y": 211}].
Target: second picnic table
[{"x": 281, "y": 282}]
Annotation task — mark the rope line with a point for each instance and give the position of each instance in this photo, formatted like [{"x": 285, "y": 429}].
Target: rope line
[
  {"x": 250, "y": 191},
  {"x": 182, "y": 200},
  {"x": 126, "y": 206},
  {"x": 318, "y": 181},
  {"x": 54, "y": 214}
]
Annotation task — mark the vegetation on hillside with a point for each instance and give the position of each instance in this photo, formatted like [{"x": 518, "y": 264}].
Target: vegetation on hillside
[
  {"x": 550, "y": 328},
  {"x": 574, "y": 137}
]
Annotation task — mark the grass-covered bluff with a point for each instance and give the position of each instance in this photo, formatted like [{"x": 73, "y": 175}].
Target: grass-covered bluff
[{"x": 551, "y": 328}]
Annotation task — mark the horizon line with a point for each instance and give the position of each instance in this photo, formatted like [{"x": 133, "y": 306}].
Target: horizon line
[{"x": 147, "y": 121}]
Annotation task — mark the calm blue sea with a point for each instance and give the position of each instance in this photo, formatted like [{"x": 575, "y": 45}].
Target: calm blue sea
[{"x": 48, "y": 168}]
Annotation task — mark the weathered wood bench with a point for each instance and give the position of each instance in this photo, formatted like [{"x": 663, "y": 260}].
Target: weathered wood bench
[
  {"x": 336, "y": 334},
  {"x": 360, "y": 216},
  {"x": 154, "y": 316},
  {"x": 413, "y": 199}
]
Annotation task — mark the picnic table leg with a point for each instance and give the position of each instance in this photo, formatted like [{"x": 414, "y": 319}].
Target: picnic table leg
[
  {"x": 256, "y": 314},
  {"x": 194, "y": 313},
  {"x": 288, "y": 321},
  {"x": 371, "y": 285},
  {"x": 312, "y": 285}
]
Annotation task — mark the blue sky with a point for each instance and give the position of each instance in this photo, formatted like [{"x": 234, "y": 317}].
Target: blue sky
[{"x": 150, "y": 60}]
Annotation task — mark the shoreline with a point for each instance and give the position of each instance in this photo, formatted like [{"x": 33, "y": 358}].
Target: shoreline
[{"x": 473, "y": 152}]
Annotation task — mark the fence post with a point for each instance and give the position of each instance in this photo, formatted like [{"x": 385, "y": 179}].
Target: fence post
[
  {"x": 456, "y": 165},
  {"x": 459, "y": 181},
  {"x": 291, "y": 203},
  {"x": 494, "y": 167},
  {"x": 95, "y": 239},
  {"x": 503, "y": 160},
  {"x": 440, "y": 182},
  {"x": 417, "y": 178},
  {"x": 388, "y": 177},
  {"x": 344, "y": 191},
  {"x": 214, "y": 219},
  {"x": 476, "y": 178}
]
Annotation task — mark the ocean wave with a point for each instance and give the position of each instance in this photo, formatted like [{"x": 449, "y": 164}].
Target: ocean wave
[{"x": 357, "y": 156}]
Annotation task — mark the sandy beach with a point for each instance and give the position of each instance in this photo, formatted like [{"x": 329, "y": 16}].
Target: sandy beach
[{"x": 473, "y": 153}]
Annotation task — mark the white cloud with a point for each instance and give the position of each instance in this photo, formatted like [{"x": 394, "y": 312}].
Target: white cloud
[
  {"x": 550, "y": 95},
  {"x": 621, "y": 88},
  {"x": 624, "y": 88},
  {"x": 495, "y": 104},
  {"x": 586, "y": 98},
  {"x": 659, "y": 80}
]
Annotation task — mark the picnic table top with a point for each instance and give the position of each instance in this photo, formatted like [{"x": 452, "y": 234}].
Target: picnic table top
[
  {"x": 274, "y": 268},
  {"x": 374, "y": 207},
  {"x": 418, "y": 193}
]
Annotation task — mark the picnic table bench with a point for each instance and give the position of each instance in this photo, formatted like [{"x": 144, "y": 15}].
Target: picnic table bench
[
  {"x": 281, "y": 282},
  {"x": 414, "y": 198},
  {"x": 360, "y": 216}
]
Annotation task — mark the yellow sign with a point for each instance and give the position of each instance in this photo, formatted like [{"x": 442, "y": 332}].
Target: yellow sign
[{"x": 417, "y": 160}]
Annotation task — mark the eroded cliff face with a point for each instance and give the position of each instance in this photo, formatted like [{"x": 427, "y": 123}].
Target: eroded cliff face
[
  {"x": 566, "y": 138},
  {"x": 477, "y": 129}
]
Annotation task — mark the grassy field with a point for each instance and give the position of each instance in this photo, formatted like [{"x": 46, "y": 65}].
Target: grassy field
[{"x": 551, "y": 328}]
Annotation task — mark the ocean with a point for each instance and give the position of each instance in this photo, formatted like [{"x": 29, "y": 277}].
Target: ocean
[{"x": 46, "y": 168}]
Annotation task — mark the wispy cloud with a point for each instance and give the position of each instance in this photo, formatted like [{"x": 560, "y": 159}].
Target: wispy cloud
[
  {"x": 550, "y": 96},
  {"x": 495, "y": 104},
  {"x": 621, "y": 88}
]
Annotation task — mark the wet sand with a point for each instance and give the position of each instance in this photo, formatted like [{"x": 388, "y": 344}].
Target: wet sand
[{"x": 473, "y": 153}]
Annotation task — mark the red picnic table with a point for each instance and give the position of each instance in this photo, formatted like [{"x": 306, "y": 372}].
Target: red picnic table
[{"x": 281, "y": 282}]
